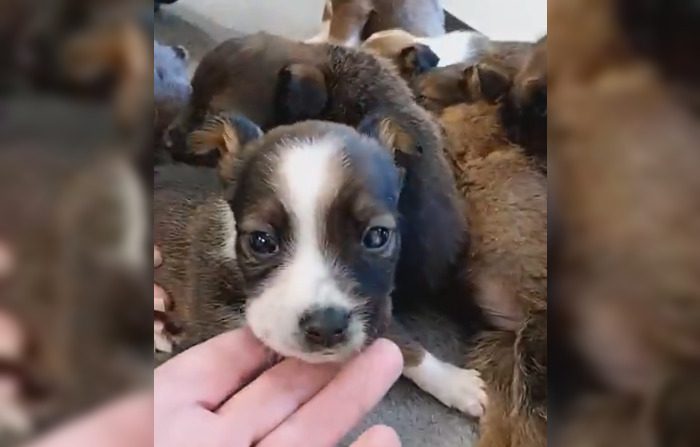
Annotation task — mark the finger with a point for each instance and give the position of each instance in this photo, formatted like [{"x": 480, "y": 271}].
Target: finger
[
  {"x": 160, "y": 299},
  {"x": 12, "y": 342},
  {"x": 6, "y": 260},
  {"x": 157, "y": 258},
  {"x": 378, "y": 436},
  {"x": 271, "y": 398},
  {"x": 208, "y": 373},
  {"x": 128, "y": 422},
  {"x": 344, "y": 401}
]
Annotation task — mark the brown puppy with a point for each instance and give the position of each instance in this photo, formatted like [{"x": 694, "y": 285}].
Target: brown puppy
[
  {"x": 626, "y": 161},
  {"x": 512, "y": 74},
  {"x": 292, "y": 189},
  {"x": 349, "y": 22},
  {"x": 524, "y": 112},
  {"x": 79, "y": 240},
  {"x": 99, "y": 49},
  {"x": 413, "y": 55},
  {"x": 507, "y": 265}
]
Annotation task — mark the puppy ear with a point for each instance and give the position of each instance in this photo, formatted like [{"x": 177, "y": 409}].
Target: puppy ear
[
  {"x": 391, "y": 135},
  {"x": 417, "y": 59},
  {"x": 224, "y": 134},
  {"x": 491, "y": 82},
  {"x": 301, "y": 93}
]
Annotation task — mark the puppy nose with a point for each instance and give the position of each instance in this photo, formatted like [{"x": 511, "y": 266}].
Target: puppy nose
[{"x": 325, "y": 327}]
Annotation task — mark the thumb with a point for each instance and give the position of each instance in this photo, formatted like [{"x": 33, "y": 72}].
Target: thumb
[{"x": 378, "y": 436}]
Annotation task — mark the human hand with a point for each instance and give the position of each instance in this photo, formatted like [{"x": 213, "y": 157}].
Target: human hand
[
  {"x": 161, "y": 303},
  {"x": 202, "y": 396}
]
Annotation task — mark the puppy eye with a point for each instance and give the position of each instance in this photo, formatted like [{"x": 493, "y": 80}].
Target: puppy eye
[
  {"x": 263, "y": 243},
  {"x": 376, "y": 238}
]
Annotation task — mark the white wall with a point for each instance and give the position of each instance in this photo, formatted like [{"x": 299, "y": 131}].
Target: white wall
[{"x": 503, "y": 19}]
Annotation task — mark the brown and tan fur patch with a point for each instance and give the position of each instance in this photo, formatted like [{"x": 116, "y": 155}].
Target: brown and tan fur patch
[
  {"x": 506, "y": 198},
  {"x": 626, "y": 161}
]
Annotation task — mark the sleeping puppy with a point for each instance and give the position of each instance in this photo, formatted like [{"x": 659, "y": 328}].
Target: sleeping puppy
[
  {"x": 414, "y": 55},
  {"x": 349, "y": 22},
  {"x": 506, "y": 198},
  {"x": 97, "y": 49},
  {"x": 524, "y": 113},
  {"x": 317, "y": 243},
  {"x": 514, "y": 77}
]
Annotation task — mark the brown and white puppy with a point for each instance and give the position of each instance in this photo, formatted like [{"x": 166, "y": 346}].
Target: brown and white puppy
[
  {"x": 318, "y": 235},
  {"x": 506, "y": 198},
  {"x": 313, "y": 246},
  {"x": 273, "y": 81},
  {"x": 414, "y": 55},
  {"x": 349, "y": 22}
]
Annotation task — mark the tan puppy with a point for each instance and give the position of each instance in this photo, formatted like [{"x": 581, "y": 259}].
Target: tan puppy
[
  {"x": 414, "y": 55},
  {"x": 349, "y": 22},
  {"x": 506, "y": 198}
]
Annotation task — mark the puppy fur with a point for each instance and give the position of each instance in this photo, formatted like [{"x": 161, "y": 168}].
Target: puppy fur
[
  {"x": 524, "y": 112},
  {"x": 96, "y": 49},
  {"x": 627, "y": 291},
  {"x": 219, "y": 279},
  {"x": 414, "y": 55},
  {"x": 274, "y": 81},
  {"x": 506, "y": 198},
  {"x": 349, "y": 22},
  {"x": 511, "y": 74},
  {"x": 417, "y": 151}
]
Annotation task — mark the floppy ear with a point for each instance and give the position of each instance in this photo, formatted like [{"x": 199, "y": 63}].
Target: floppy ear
[
  {"x": 391, "y": 135},
  {"x": 222, "y": 134},
  {"x": 492, "y": 83},
  {"x": 417, "y": 59},
  {"x": 301, "y": 93}
]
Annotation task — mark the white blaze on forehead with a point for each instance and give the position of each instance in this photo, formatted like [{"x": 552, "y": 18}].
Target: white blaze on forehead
[{"x": 307, "y": 179}]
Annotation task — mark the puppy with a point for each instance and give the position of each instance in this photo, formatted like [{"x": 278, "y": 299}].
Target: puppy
[
  {"x": 171, "y": 91},
  {"x": 97, "y": 49},
  {"x": 627, "y": 291},
  {"x": 524, "y": 112},
  {"x": 506, "y": 198},
  {"x": 414, "y": 55},
  {"x": 512, "y": 75},
  {"x": 79, "y": 238},
  {"x": 338, "y": 293},
  {"x": 274, "y": 81},
  {"x": 349, "y": 22}
]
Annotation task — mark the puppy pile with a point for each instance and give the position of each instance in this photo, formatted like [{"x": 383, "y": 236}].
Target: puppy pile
[{"x": 311, "y": 191}]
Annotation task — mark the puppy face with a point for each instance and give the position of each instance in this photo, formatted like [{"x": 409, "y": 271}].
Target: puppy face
[
  {"x": 317, "y": 240},
  {"x": 454, "y": 84}
]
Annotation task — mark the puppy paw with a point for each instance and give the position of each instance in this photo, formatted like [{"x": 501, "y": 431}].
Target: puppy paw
[{"x": 462, "y": 389}]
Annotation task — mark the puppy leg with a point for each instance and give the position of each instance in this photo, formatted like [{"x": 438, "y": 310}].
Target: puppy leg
[
  {"x": 349, "y": 18},
  {"x": 455, "y": 387}
]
